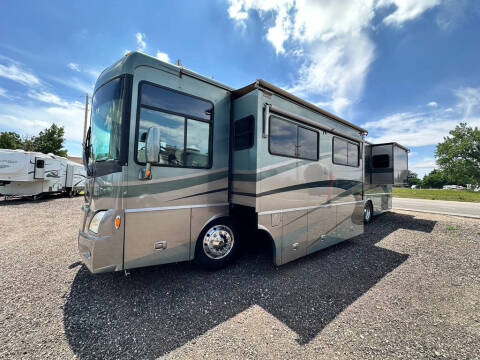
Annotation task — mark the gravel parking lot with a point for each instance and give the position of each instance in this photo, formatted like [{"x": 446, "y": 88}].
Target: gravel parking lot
[{"x": 408, "y": 288}]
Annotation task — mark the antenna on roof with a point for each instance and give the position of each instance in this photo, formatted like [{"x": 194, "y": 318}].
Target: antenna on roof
[{"x": 179, "y": 62}]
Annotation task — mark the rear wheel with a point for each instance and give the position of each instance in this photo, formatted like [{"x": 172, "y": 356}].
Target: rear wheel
[
  {"x": 218, "y": 244},
  {"x": 368, "y": 213}
]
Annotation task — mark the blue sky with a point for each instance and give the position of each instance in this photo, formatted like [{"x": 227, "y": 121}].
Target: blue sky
[{"x": 407, "y": 70}]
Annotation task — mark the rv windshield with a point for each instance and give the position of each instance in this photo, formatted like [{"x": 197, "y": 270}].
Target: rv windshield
[{"x": 107, "y": 106}]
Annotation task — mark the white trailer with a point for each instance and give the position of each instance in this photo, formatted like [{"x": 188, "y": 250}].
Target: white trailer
[{"x": 24, "y": 173}]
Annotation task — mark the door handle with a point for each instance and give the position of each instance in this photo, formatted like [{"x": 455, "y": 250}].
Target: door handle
[{"x": 161, "y": 245}]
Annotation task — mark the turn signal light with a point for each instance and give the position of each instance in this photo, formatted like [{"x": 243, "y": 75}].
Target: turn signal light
[{"x": 117, "y": 221}]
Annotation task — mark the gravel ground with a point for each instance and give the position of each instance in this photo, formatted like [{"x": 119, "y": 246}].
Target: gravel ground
[{"x": 408, "y": 288}]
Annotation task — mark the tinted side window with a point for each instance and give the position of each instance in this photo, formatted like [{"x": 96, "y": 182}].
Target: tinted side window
[
  {"x": 169, "y": 100},
  {"x": 380, "y": 161},
  {"x": 172, "y": 129},
  {"x": 283, "y": 137},
  {"x": 307, "y": 144},
  {"x": 290, "y": 139},
  {"x": 340, "y": 151},
  {"x": 352, "y": 154},
  {"x": 244, "y": 130},
  {"x": 197, "y": 154},
  {"x": 185, "y": 127}
]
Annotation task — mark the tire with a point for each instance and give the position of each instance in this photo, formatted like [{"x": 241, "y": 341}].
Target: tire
[
  {"x": 218, "y": 244},
  {"x": 368, "y": 212}
]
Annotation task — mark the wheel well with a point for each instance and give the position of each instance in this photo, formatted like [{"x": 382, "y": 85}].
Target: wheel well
[{"x": 267, "y": 238}]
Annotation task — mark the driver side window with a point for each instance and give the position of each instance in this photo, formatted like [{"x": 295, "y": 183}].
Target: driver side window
[{"x": 185, "y": 127}]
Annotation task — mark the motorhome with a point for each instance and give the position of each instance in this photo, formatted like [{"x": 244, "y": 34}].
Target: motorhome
[
  {"x": 180, "y": 165},
  {"x": 26, "y": 173}
]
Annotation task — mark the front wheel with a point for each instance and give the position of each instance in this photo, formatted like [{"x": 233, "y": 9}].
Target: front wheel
[
  {"x": 368, "y": 213},
  {"x": 218, "y": 244}
]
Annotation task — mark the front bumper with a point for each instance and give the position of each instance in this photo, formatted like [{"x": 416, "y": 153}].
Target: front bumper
[
  {"x": 102, "y": 252},
  {"x": 95, "y": 254}
]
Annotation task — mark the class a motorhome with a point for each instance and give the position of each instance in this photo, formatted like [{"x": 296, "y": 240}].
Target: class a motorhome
[
  {"x": 180, "y": 166},
  {"x": 25, "y": 173}
]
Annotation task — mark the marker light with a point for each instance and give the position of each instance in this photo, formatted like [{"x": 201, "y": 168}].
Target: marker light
[
  {"x": 96, "y": 220},
  {"x": 117, "y": 221}
]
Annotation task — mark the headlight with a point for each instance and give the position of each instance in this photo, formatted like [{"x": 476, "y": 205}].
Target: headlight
[{"x": 97, "y": 219}]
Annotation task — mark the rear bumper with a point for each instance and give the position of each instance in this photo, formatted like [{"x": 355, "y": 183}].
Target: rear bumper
[{"x": 96, "y": 253}]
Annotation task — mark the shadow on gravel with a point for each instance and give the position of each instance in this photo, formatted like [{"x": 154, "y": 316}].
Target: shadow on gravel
[{"x": 158, "y": 309}]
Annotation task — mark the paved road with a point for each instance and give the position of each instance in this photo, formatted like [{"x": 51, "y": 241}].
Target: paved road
[{"x": 438, "y": 206}]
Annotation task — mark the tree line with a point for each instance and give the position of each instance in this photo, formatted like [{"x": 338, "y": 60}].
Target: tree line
[
  {"x": 458, "y": 160},
  {"x": 49, "y": 140}
]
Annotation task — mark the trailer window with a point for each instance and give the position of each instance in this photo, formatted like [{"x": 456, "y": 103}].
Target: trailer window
[
  {"x": 345, "y": 152},
  {"x": 185, "y": 127},
  {"x": 244, "y": 131},
  {"x": 289, "y": 139},
  {"x": 380, "y": 161}
]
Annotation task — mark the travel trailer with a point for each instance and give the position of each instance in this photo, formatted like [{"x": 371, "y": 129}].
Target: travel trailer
[
  {"x": 24, "y": 173},
  {"x": 180, "y": 165}
]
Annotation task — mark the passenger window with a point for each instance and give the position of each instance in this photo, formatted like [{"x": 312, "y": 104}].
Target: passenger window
[
  {"x": 352, "y": 154},
  {"x": 184, "y": 141},
  {"x": 345, "y": 152},
  {"x": 290, "y": 139},
  {"x": 244, "y": 133},
  {"x": 307, "y": 144},
  {"x": 380, "y": 161},
  {"x": 340, "y": 151},
  {"x": 283, "y": 137},
  {"x": 197, "y": 143}
]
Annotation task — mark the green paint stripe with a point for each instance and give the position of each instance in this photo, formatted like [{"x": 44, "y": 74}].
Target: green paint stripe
[
  {"x": 172, "y": 185},
  {"x": 272, "y": 172},
  {"x": 348, "y": 185}
]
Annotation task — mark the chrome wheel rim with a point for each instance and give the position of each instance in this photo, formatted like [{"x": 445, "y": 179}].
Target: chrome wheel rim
[
  {"x": 367, "y": 212},
  {"x": 218, "y": 242}
]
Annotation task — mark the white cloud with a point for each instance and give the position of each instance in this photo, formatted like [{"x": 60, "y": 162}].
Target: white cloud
[
  {"x": 433, "y": 104},
  {"x": 14, "y": 71},
  {"x": 74, "y": 66},
  {"x": 422, "y": 166},
  {"x": 73, "y": 83},
  {"x": 429, "y": 127},
  {"x": 30, "y": 119},
  {"x": 163, "y": 56},
  {"x": 4, "y": 93},
  {"x": 406, "y": 10},
  {"x": 50, "y": 98},
  {"x": 330, "y": 38},
  {"x": 141, "y": 43}
]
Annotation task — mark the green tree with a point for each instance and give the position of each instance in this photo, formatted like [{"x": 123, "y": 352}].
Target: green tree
[
  {"x": 49, "y": 140},
  {"x": 435, "y": 179},
  {"x": 412, "y": 179},
  {"x": 10, "y": 140},
  {"x": 459, "y": 155}
]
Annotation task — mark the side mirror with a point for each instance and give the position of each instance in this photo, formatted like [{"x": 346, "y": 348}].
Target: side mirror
[{"x": 152, "y": 145}]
